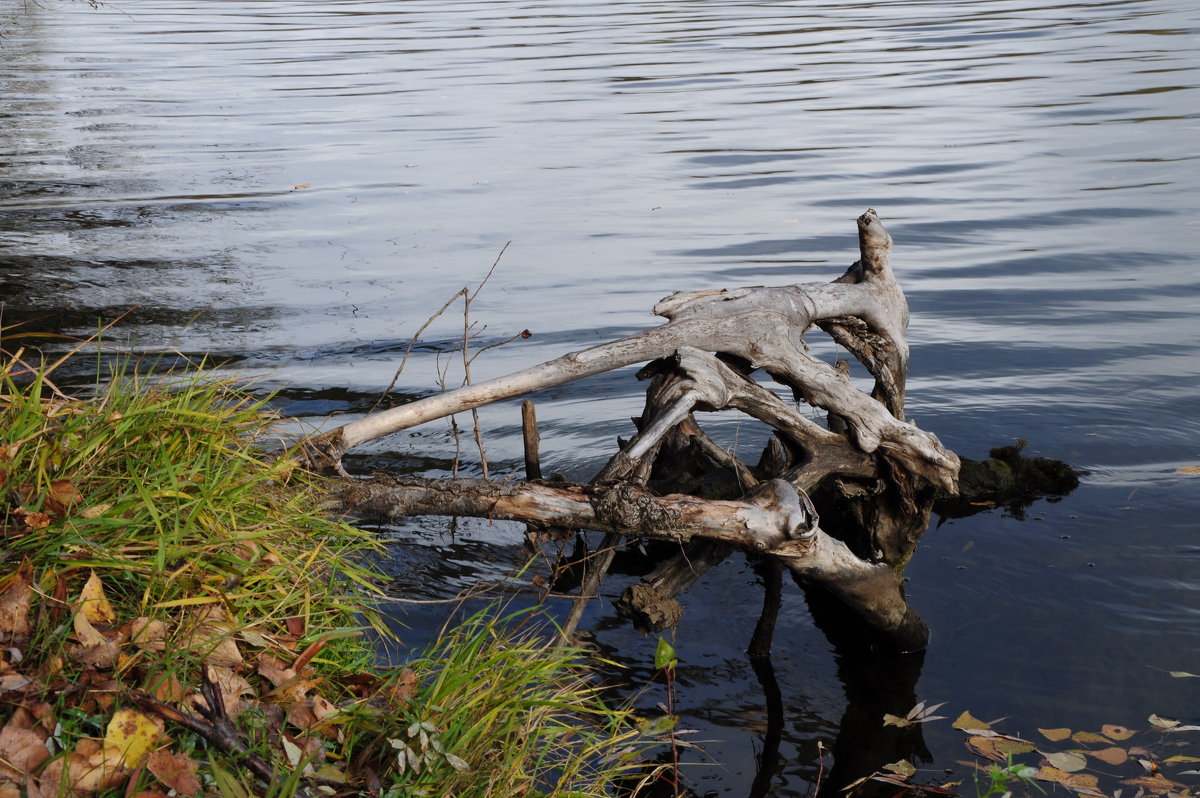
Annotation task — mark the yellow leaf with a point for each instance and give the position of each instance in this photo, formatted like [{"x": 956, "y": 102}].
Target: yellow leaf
[
  {"x": 1188, "y": 470},
  {"x": 1088, "y": 737},
  {"x": 1115, "y": 732},
  {"x": 902, "y": 768},
  {"x": 95, "y": 604},
  {"x": 969, "y": 723},
  {"x": 1163, "y": 723},
  {"x": 133, "y": 734},
  {"x": 998, "y": 748},
  {"x": 1173, "y": 759},
  {"x": 895, "y": 720},
  {"x": 1054, "y": 735}
]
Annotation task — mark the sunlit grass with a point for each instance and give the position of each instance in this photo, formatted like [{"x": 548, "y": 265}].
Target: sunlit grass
[{"x": 153, "y": 494}]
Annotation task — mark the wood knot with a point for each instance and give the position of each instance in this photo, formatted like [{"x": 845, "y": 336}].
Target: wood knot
[{"x": 628, "y": 508}]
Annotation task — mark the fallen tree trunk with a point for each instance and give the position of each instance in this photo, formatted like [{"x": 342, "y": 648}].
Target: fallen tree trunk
[{"x": 776, "y": 519}]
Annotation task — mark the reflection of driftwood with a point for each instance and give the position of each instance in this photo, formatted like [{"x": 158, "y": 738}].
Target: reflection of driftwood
[{"x": 702, "y": 358}]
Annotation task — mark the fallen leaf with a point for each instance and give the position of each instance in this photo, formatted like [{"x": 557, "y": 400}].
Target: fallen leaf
[
  {"x": 61, "y": 496},
  {"x": 21, "y": 752},
  {"x": 133, "y": 734},
  {"x": 902, "y": 768},
  {"x": 1070, "y": 761},
  {"x": 16, "y": 596},
  {"x": 148, "y": 634},
  {"x": 95, "y": 604},
  {"x": 1173, "y": 759},
  {"x": 94, "y": 648},
  {"x": 166, "y": 688},
  {"x": 176, "y": 771},
  {"x": 1111, "y": 755},
  {"x": 969, "y": 723},
  {"x": 213, "y": 634},
  {"x": 1188, "y": 470},
  {"x": 1162, "y": 723},
  {"x": 1054, "y": 735},
  {"x": 402, "y": 690},
  {"x": 96, "y": 510},
  {"x": 895, "y": 720},
  {"x": 233, "y": 689},
  {"x": 1156, "y": 783},
  {"x": 998, "y": 747},
  {"x": 1088, "y": 737},
  {"x": 1184, "y": 675},
  {"x": 1118, "y": 733}
]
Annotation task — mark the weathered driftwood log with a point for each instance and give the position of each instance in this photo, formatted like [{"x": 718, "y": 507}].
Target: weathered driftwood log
[
  {"x": 776, "y": 519},
  {"x": 763, "y": 326},
  {"x": 748, "y": 329}
]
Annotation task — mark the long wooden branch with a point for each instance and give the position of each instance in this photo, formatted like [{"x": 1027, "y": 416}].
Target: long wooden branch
[{"x": 776, "y": 520}]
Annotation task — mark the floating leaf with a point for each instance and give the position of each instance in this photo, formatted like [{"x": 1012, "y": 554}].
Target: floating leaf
[
  {"x": 1112, "y": 755},
  {"x": 1118, "y": 733},
  {"x": 895, "y": 720},
  {"x": 1188, "y": 470},
  {"x": 997, "y": 747},
  {"x": 1088, "y": 737},
  {"x": 902, "y": 768},
  {"x": 969, "y": 723},
  {"x": 1070, "y": 761},
  {"x": 1162, "y": 723},
  {"x": 1182, "y": 759},
  {"x": 133, "y": 734},
  {"x": 1156, "y": 783},
  {"x": 1054, "y": 735},
  {"x": 1184, "y": 675}
]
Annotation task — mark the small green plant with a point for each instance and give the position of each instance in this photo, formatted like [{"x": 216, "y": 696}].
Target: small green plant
[{"x": 996, "y": 780}]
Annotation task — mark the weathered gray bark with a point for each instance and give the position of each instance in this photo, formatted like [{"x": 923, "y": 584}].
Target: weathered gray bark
[
  {"x": 763, "y": 326},
  {"x": 748, "y": 329}
]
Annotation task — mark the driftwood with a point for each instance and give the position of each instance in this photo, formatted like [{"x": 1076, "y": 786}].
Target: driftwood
[{"x": 701, "y": 360}]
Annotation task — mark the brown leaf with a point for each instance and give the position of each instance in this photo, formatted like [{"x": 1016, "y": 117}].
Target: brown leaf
[
  {"x": 94, "y": 648},
  {"x": 176, "y": 771},
  {"x": 32, "y": 519},
  {"x": 1155, "y": 783},
  {"x": 1054, "y": 735},
  {"x": 1115, "y": 732},
  {"x": 148, "y": 634},
  {"x": 21, "y": 752},
  {"x": 61, "y": 496},
  {"x": 1111, "y": 755},
  {"x": 1088, "y": 737},
  {"x": 166, "y": 688},
  {"x": 95, "y": 604},
  {"x": 212, "y": 634},
  {"x": 295, "y": 626},
  {"x": 998, "y": 748},
  {"x": 402, "y": 690},
  {"x": 310, "y": 712},
  {"x": 16, "y": 595}
]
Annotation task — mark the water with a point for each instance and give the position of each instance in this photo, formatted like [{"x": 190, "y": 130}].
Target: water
[{"x": 294, "y": 188}]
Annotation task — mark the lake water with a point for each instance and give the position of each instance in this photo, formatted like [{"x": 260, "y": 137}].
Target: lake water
[{"x": 294, "y": 188}]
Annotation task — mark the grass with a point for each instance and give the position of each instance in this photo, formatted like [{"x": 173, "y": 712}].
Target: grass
[{"x": 178, "y": 613}]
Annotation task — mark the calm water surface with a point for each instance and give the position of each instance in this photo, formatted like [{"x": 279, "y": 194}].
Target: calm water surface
[{"x": 295, "y": 187}]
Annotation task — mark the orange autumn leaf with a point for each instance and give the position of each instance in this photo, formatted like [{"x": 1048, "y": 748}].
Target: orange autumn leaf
[
  {"x": 998, "y": 748},
  {"x": 1155, "y": 783},
  {"x": 1114, "y": 732},
  {"x": 1054, "y": 735},
  {"x": 1088, "y": 737},
  {"x": 176, "y": 771},
  {"x": 1111, "y": 755},
  {"x": 16, "y": 595}
]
